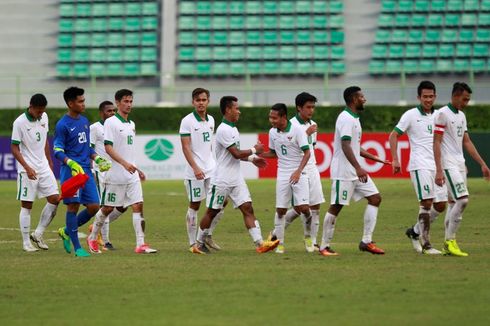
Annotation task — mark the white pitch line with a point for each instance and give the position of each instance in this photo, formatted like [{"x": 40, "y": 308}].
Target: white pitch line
[{"x": 81, "y": 235}]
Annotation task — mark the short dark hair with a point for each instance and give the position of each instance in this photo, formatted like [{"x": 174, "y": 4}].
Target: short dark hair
[
  {"x": 104, "y": 104},
  {"x": 425, "y": 84},
  {"x": 460, "y": 87},
  {"x": 280, "y": 108},
  {"x": 71, "y": 93},
  {"x": 198, "y": 91},
  {"x": 349, "y": 93},
  {"x": 304, "y": 97},
  {"x": 121, "y": 93},
  {"x": 226, "y": 102},
  {"x": 38, "y": 100}
]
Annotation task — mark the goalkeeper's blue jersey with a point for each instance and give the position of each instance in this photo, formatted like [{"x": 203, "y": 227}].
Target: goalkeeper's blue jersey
[{"x": 73, "y": 137}]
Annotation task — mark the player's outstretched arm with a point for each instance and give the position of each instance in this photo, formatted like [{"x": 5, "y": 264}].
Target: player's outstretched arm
[
  {"x": 349, "y": 154},
  {"x": 471, "y": 149},
  {"x": 437, "y": 158},
  {"x": 245, "y": 153},
  {"x": 393, "y": 141},
  {"x": 366, "y": 154}
]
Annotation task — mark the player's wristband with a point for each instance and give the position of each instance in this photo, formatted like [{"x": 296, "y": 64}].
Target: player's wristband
[
  {"x": 251, "y": 158},
  {"x": 253, "y": 150}
]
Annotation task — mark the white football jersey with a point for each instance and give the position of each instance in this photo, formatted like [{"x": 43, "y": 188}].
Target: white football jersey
[
  {"x": 201, "y": 134},
  {"x": 228, "y": 172},
  {"x": 451, "y": 124},
  {"x": 347, "y": 127},
  {"x": 97, "y": 141},
  {"x": 121, "y": 135},
  {"x": 31, "y": 135},
  {"x": 419, "y": 126},
  {"x": 297, "y": 121},
  {"x": 289, "y": 146}
]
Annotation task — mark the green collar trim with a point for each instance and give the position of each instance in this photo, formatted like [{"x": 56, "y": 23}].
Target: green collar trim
[
  {"x": 30, "y": 117},
  {"x": 452, "y": 108},
  {"x": 198, "y": 117},
  {"x": 301, "y": 121},
  {"x": 288, "y": 127},
  {"x": 122, "y": 119},
  {"x": 355, "y": 115},
  {"x": 231, "y": 124},
  {"x": 422, "y": 112},
  {"x": 101, "y": 122}
]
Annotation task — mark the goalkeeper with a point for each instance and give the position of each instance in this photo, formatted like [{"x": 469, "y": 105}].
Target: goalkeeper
[{"x": 72, "y": 148}]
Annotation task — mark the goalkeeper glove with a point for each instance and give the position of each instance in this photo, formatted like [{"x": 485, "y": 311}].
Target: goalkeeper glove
[
  {"x": 103, "y": 164},
  {"x": 75, "y": 167}
]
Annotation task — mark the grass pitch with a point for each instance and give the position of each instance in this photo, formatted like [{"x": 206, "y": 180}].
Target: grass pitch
[{"x": 239, "y": 287}]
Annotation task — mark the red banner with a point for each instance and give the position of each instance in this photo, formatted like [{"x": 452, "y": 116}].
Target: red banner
[{"x": 375, "y": 142}]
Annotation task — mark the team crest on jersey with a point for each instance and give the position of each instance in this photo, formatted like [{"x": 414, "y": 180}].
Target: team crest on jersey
[
  {"x": 86, "y": 127},
  {"x": 290, "y": 138},
  {"x": 43, "y": 125}
]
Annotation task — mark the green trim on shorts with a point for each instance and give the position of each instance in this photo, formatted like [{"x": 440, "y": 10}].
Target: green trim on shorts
[
  {"x": 337, "y": 191},
  {"x": 190, "y": 191},
  {"x": 419, "y": 188},
  {"x": 212, "y": 197},
  {"x": 97, "y": 182},
  {"x": 20, "y": 186},
  {"x": 292, "y": 200},
  {"x": 103, "y": 198},
  {"x": 451, "y": 184}
]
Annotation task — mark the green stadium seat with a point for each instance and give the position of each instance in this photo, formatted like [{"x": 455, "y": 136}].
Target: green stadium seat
[
  {"x": 219, "y": 22},
  {"x": 83, "y": 10},
  {"x": 220, "y": 53},
  {"x": 320, "y": 7},
  {"x": 446, "y": 51},
  {"x": 429, "y": 51},
  {"x": 336, "y": 21},
  {"x": 287, "y": 37},
  {"x": 131, "y": 69},
  {"x": 463, "y": 50},
  {"x": 117, "y": 9},
  {"x": 220, "y": 7},
  {"x": 426, "y": 66},
  {"x": 254, "y": 37},
  {"x": 386, "y": 20},
  {"x": 149, "y": 69},
  {"x": 303, "y": 37},
  {"x": 253, "y": 22},
  {"x": 100, "y": 9},
  {"x": 304, "y": 67},
  {"x": 396, "y": 51},
  {"x": 116, "y": 24},
  {"x": 336, "y": 37},
  {"x": 237, "y": 22},
  {"x": 418, "y": 20},
  {"x": 270, "y": 22},
  {"x": 304, "y": 52},
  {"x": 466, "y": 35},
  {"x": 150, "y": 8},
  {"x": 82, "y": 40},
  {"x": 478, "y": 65},
  {"x": 271, "y": 37},
  {"x": 415, "y": 36},
  {"x": 287, "y": 52},
  {"x": 67, "y": 10},
  {"x": 382, "y": 36},
  {"x": 203, "y": 53},
  {"x": 286, "y": 22},
  {"x": 254, "y": 68},
  {"x": 270, "y": 52},
  {"x": 66, "y": 25},
  {"x": 336, "y": 6},
  {"x": 133, "y": 9},
  {"x": 220, "y": 38},
  {"x": 454, "y": 5},
  {"x": 219, "y": 68},
  {"x": 413, "y": 51},
  {"x": 337, "y": 67},
  {"x": 471, "y": 5},
  {"x": 186, "y": 22},
  {"x": 321, "y": 52},
  {"x": 98, "y": 55},
  {"x": 379, "y": 51},
  {"x": 97, "y": 69},
  {"x": 203, "y": 8},
  {"x": 405, "y": 6},
  {"x": 237, "y": 7},
  {"x": 186, "y": 37},
  {"x": 186, "y": 54},
  {"x": 286, "y": 7},
  {"x": 64, "y": 55},
  {"x": 114, "y": 55},
  {"x": 452, "y": 20},
  {"x": 393, "y": 67},
  {"x": 422, "y": 6},
  {"x": 443, "y": 65},
  {"x": 132, "y": 39},
  {"x": 253, "y": 53},
  {"x": 132, "y": 24},
  {"x": 237, "y": 53},
  {"x": 149, "y": 38},
  {"x": 410, "y": 66},
  {"x": 303, "y": 6},
  {"x": 461, "y": 65},
  {"x": 80, "y": 69},
  {"x": 187, "y": 7},
  {"x": 485, "y": 5},
  {"x": 149, "y": 23},
  {"x": 321, "y": 67},
  {"x": 65, "y": 40},
  {"x": 186, "y": 69},
  {"x": 388, "y": 6},
  {"x": 203, "y": 68},
  {"x": 287, "y": 67},
  {"x": 399, "y": 36},
  {"x": 321, "y": 37},
  {"x": 304, "y": 22},
  {"x": 435, "y": 20},
  {"x": 99, "y": 24},
  {"x": 483, "y": 19},
  {"x": 438, "y": 5},
  {"x": 63, "y": 70},
  {"x": 203, "y": 23},
  {"x": 480, "y": 50},
  {"x": 253, "y": 7},
  {"x": 114, "y": 69},
  {"x": 82, "y": 25},
  {"x": 237, "y": 37},
  {"x": 115, "y": 39},
  {"x": 433, "y": 36},
  {"x": 337, "y": 52},
  {"x": 269, "y": 7},
  {"x": 376, "y": 67},
  {"x": 271, "y": 67},
  {"x": 237, "y": 68},
  {"x": 131, "y": 55},
  {"x": 471, "y": 19},
  {"x": 449, "y": 36},
  {"x": 482, "y": 35}
]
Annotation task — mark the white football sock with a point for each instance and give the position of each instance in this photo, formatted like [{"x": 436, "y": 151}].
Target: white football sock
[
  {"x": 279, "y": 227},
  {"x": 370, "y": 217},
  {"x": 433, "y": 214},
  {"x": 290, "y": 216},
  {"x": 201, "y": 234},
  {"x": 47, "y": 215},
  {"x": 138, "y": 222},
  {"x": 315, "y": 224},
  {"x": 456, "y": 217},
  {"x": 25, "y": 224},
  {"x": 306, "y": 219},
  {"x": 215, "y": 221},
  {"x": 450, "y": 206},
  {"x": 328, "y": 230},
  {"x": 191, "y": 223},
  {"x": 104, "y": 230},
  {"x": 424, "y": 226},
  {"x": 256, "y": 234},
  {"x": 114, "y": 215},
  {"x": 99, "y": 220}
]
